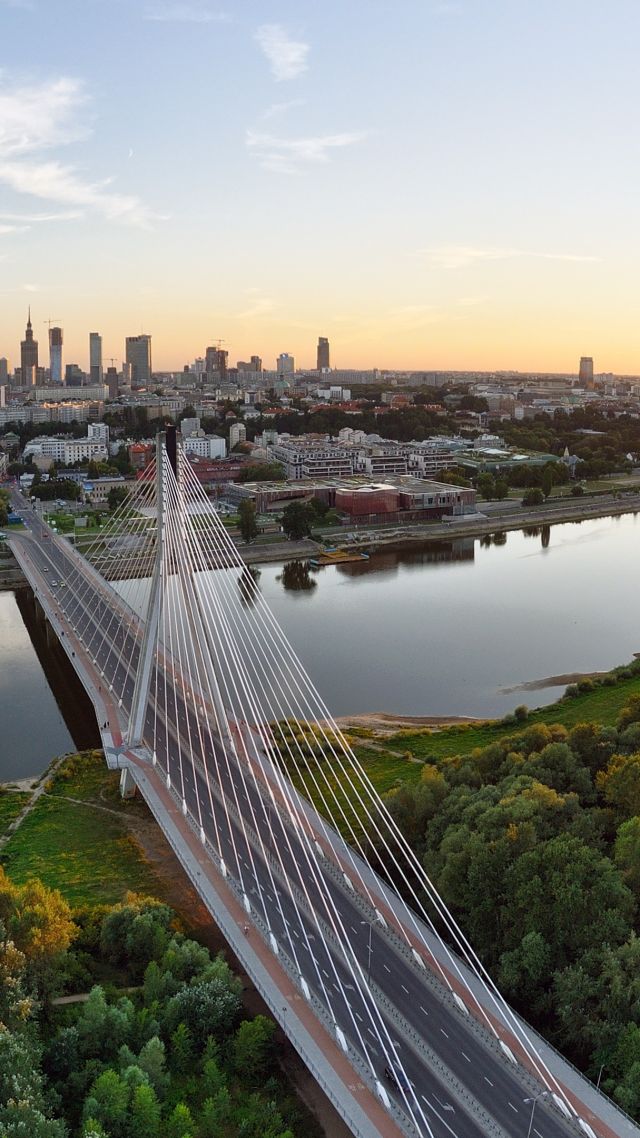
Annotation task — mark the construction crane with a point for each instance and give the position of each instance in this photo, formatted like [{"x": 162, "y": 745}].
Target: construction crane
[
  {"x": 112, "y": 359},
  {"x": 50, "y": 321}
]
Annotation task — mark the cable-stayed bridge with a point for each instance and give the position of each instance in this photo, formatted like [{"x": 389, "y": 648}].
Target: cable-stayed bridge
[{"x": 204, "y": 706}]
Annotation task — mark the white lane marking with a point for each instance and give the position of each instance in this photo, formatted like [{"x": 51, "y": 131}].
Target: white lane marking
[
  {"x": 513, "y": 1107},
  {"x": 424, "y": 1010},
  {"x": 388, "y": 969},
  {"x": 358, "y": 1016},
  {"x": 488, "y": 1081},
  {"x": 404, "y": 989},
  {"x": 444, "y": 1033},
  {"x": 465, "y": 1056}
]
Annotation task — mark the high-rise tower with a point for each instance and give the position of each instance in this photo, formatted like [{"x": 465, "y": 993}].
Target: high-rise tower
[
  {"x": 323, "y": 354},
  {"x": 95, "y": 358},
  {"x": 29, "y": 356},
  {"x": 138, "y": 356},
  {"x": 55, "y": 354},
  {"x": 585, "y": 373}
]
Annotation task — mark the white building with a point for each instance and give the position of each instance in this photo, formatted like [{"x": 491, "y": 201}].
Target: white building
[
  {"x": 237, "y": 434},
  {"x": 206, "y": 446}
]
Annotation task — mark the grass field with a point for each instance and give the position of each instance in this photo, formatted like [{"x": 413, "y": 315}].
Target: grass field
[
  {"x": 84, "y": 852},
  {"x": 10, "y": 806}
]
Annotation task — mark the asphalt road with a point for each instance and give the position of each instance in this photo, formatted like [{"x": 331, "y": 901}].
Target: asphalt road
[{"x": 272, "y": 864}]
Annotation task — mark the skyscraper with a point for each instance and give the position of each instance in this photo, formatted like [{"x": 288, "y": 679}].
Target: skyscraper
[
  {"x": 95, "y": 357},
  {"x": 4, "y": 371},
  {"x": 138, "y": 355},
  {"x": 216, "y": 364},
  {"x": 585, "y": 373},
  {"x": 285, "y": 364},
  {"x": 55, "y": 354},
  {"x": 29, "y": 356},
  {"x": 256, "y": 363},
  {"x": 323, "y": 354}
]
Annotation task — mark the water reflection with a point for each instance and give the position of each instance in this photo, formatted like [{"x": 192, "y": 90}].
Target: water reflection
[
  {"x": 296, "y": 577},
  {"x": 249, "y": 585}
]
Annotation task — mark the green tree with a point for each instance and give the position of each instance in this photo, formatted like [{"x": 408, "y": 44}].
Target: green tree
[
  {"x": 179, "y": 1123},
  {"x": 533, "y": 497},
  {"x": 253, "y": 1047},
  {"x": 215, "y": 1114},
  {"x": 152, "y": 1061},
  {"x": 296, "y": 520},
  {"x": 181, "y": 1050},
  {"x": 626, "y": 852},
  {"x": 208, "y": 1007},
  {"x": 620, "y": 784},
  {"x": 501, "y": 489},
  {"x": 547, "y": 480},
  {"x": 248, "y": 521},
  {"x": 486, "y": 485},
  {"x": 108, "y": 1103},
  {"x": 116, "y": 496},
  {"x": 145, "y": 1113}
]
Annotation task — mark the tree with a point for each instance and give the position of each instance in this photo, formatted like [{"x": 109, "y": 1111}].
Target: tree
[
  {"x": 152, "y": 1061},
  {"x": 215, "y": 1114},
  {"x": 296, "y": 521},
  {"x": 253, "y": 1047},
  {"x": 208, "y": 1007},
  {"x": 626, "y": 852},
  {"x": 533, "y": 497},
  {"x": 181, "y": 1050},
  {"x": 108, "y": 1103},
  {"x": 179, "y": 1123},
  {"x": 145, "y": 1112},
  {"x": 620, "y": 784},
  {"x": 248, "y": 522},
  {"x": 547, "y": 480},
  {"x": 486, "y": 484},
  {"x": 116, "y": 496},
  {"x": 501, "y": 489}
]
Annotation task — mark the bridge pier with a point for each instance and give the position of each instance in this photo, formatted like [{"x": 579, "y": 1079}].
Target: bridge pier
[{"x": 127, "y": 783}]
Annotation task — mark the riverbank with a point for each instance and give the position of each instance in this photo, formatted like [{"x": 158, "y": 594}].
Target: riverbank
[{"x": 495, "y": 517}]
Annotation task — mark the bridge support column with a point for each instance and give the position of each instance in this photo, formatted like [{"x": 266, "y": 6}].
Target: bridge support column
[{"x": 127, "y": 784}]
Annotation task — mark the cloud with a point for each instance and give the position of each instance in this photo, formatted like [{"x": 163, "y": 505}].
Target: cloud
[
  {"x": 185, "y": 14},
  {"x": 461, "y": 256},
  {"x": 13, "y": 229},
  {"x": 287, "y": 57},
  {"x": 289, "y": 155},
  {"x": 277, "y": 109},
  {"x": 33, "y": 218},
  {"x": 36, "y": 118},
  {"x": 260, "y": 306}
]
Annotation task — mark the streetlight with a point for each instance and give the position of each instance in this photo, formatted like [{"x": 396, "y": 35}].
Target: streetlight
[
  {"x": 369, "y": 950},
  {"x": 533, "y": 1101}
]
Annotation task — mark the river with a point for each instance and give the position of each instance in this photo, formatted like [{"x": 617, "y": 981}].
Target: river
[{"x": 442, "y": 631}]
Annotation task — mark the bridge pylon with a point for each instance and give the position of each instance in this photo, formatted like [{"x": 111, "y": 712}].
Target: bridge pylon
[{"x": 154, "y": 608}]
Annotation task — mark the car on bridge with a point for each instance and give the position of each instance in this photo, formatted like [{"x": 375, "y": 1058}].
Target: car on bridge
[{"x": 395, "y": 1075}]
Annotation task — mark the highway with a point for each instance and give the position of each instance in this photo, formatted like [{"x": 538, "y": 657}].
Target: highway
[{"x": 280, "y": 888}]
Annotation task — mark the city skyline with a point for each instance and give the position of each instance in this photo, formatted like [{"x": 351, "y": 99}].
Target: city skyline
[{"x": 431, "y": 185}]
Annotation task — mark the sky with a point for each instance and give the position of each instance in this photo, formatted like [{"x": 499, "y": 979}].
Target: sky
[{"x": 438, "y": 184}]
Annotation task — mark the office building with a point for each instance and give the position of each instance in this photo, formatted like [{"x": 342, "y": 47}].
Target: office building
[
  {"x": 4, "y": 371},
  {"x": 256, "y": 363},
  {"x": 28, "y": 357},
  {"x": 216, "y": 364},
  {"x": 74, "y": 376},
  {"x": 138, "y": 357},
  {"x": 112, "y": 382},
  {"x": 585, "y": 373},
  {"x": 323, "y": 354},
  {"x": 95, "y": 357},
  {"x": 285, "y": 364},
  {"x": 55, "y": 355}
]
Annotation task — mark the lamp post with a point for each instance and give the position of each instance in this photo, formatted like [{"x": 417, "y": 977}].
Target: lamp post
[
  {"x": 533, "y": 1101},
  {"x": 369, "y": 951}
]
